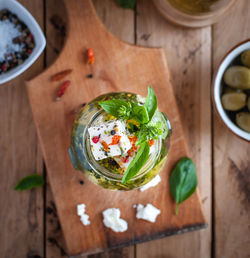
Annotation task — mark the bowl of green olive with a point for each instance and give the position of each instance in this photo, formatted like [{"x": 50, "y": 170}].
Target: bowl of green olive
[{"x": 231, "y": 90}]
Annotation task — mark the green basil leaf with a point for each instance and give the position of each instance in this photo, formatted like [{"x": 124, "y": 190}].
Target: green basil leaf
[
  {"x": 151, "y": 103},
  {"x": 117, "y": 108},
  {"x": 140, "y": 114},
  {"x": 29, "y": 182},
  {"x": 137, "y": 163},
  {"x": 141, "y": 137},
  {"x": 127, "y": 4},
  {"x": 183, "y": 181}
]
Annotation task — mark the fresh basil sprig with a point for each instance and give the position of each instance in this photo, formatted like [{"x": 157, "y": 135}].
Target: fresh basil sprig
[
  {"x": 137, "y": 163},
  {"x": 127, "y": 4},
  {"x": 149, "y": 126},
  {"x": 183, "y": 181},
  {"x": 29, "y": 182}
]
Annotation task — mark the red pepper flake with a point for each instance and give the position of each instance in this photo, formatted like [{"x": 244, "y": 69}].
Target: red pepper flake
[
  {"x": 61, "y": 75},
  {"x": 115, "y": 139},
  {"x": 4, "y": 68},
  {"x": 124, "y": 159},
  {"x": 29, "y": 51},
  {"x": 62, "y": 90},
  {"x": 95, "y": 139},
  {"x": 132, "y": 139},
  {"x": 105, "y": 145},
  {"x": 130, "y": 152},
  {"x": 91, "y": 56},
  {"x": 151, "y": 142}
]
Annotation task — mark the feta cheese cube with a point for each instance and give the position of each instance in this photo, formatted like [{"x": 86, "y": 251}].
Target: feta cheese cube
[
  {"x": 111, "y": 219},
  {"x": 104, "y": 136}
]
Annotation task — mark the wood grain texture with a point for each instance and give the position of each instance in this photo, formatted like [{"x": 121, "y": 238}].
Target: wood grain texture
[
  {"x": 21, "y": 213},
  {"x": 54, "y": 122},
  {"x": 231, "y": 154},
  {"x": 188, "y": 54}
]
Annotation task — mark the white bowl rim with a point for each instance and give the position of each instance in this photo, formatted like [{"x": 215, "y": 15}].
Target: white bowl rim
[
  {"x": 232, "y": 54},
  {"x": 40, "y": 41}
]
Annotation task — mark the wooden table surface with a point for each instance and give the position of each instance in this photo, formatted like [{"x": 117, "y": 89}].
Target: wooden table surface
[{"x": 28, "y": 220}]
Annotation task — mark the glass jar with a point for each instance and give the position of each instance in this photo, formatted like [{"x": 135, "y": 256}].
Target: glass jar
[
  {"x": 100, "y": 174},
  {"x": 193, "y": 13}
]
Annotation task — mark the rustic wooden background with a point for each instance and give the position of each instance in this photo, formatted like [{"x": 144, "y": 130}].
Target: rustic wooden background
[{"x": 28, "y": 220}]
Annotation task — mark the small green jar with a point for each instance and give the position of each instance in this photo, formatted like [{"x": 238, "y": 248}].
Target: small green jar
[{"x": 83, "y": 159}]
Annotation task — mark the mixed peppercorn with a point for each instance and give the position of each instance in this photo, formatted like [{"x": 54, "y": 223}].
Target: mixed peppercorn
[{"x": 22, "y": 45}]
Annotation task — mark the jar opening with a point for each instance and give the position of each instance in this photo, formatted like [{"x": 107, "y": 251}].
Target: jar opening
[{"x": 101, "y": 170}]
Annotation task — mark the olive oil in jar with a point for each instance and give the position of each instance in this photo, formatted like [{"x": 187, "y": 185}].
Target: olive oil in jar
[{"x": 194, "y": 6}]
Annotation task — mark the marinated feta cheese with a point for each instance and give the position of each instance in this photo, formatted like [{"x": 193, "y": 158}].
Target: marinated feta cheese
[
  {"x": 155, "y": 181},
  {"x": 111, "y": 219},
  {"x": 109, "y": 139},
  {"x": 149, "y": 212},
  {"x": 83, "y": 216}
]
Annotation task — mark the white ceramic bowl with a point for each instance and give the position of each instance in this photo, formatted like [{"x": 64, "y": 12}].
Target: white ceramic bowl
[
  {"x": 40, "y": 42},
  {"x": 217, "y": 88}
]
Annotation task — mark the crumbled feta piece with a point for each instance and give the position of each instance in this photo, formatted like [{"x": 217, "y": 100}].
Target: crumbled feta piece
[
  {"x": 155, "y": 181},
  {"x": 111, "y": 219},
  {"x": 83, "y": 216},
  {"x": 103, "y": 135},
  {"x": 149, "y": 212}
]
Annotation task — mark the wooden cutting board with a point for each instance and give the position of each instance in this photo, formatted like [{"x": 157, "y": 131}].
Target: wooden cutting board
[{"x": 119, "y": 67}]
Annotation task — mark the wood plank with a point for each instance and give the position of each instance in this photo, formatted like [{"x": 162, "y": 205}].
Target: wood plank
[
  {"x": 21, "y": 213},
  {"x": 108, "y": 12},
  {"x": 188, "y": 54},
  {"x": 54, "y": 122},
  {"x": 231, "y": 154}
]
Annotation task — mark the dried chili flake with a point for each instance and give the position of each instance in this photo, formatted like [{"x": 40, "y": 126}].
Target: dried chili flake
[
  {"x": 105, "y": 145},
  {"x": 132, "y": 139},
  {"x": 59, "y": 76},
  {"x": 124, "y": 159},
  {"x": 91, "y": 56},
  {"x": 62, "y": 89},
  {"x": 115, "y": 139},
  {"x": 151, "y": 142}
]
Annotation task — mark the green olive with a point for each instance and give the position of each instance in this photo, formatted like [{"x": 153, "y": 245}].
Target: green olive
[
  {"x": 237, "y": 77},
  {"x": 243, "y": 120},
  {"x": 248, "y": 103},
  {"x": 245, "y": 58},
  {"x": 234, "y": 101}
]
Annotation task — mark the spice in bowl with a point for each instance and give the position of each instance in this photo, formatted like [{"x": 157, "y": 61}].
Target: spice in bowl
[
  {"x": 17, "y": 42},
  {"x": 236, "y": 91}
]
